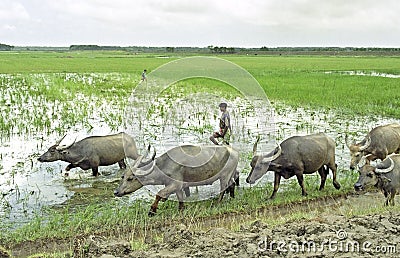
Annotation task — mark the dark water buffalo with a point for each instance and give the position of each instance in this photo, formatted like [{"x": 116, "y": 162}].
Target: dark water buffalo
[
  {"x": 182, "y": 167},
  {"x": 296, "y": 156},
  {"x": 380, "y": 142},
  {"x": 93, "y": 151},
  {"x": 385, "y": 176}
]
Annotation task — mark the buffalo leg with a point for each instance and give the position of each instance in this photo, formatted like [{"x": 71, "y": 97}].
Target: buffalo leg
[
  {"x": 236, "y": 177},
  {"x": 221, "y": 195},
  {"x": 334, "y": 170},
  {"x": 323, "y": 173},
  {"x": 187, "y": 191},
  {"x": 68, "y": 168},
  {"x": 386, "y": 194},
  {"x": 231, "y": 189},
  {"x": 122, "y": 164},
  {"x": 154, "y": 206},
  {"x": 163, "y": 194},
  {"x": 179, "y": 194},
  {"x": 225, "y": 187},
  {"x": 95, "y": 171},
  {"x": 300, "y": 180},
  {"x": 392, "y": 195},
  {"x": 390, "y": 198},
  {"x": 277, "y": 181}
]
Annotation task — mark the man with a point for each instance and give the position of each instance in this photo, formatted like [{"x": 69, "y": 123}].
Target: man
[
  {"x": 144, "y": 76},
  {"x": 224, "y": 126}
]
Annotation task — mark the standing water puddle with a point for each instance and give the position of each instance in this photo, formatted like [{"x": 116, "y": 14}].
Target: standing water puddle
[{"x": 361, "y": 73}]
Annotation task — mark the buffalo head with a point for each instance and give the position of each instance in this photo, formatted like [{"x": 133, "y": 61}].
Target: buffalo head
[
  {"x": 260, "y": 163},
  {"x": 357, "y": 151},
  {"x": 130, "y": 181},
  {"x": 55, "y": 152},
  {"x": 371, "y": 175}
]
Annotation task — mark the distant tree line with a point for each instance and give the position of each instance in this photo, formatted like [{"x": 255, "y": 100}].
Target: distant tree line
[
  {"x": 4, "y": 47},
  {"x": 310, "y": 49},
  {"x": 216, "y": 49},
  {"x": 220, "y": 50},
  {"x": 94, "y": 47}
]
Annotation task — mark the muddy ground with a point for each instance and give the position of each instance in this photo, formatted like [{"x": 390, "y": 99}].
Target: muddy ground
[{"x": 330, "y": 229}]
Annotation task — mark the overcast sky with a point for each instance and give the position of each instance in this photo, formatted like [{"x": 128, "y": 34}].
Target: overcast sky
[{"x": 230, "y": 23}]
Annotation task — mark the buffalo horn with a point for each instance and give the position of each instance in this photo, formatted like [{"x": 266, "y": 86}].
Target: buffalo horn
[
  {"x": 59, "y": 141},
  {"x": 363, "y": 161},
  {"x": 255, "y": 145},
  {"x": 147, "y": 162},
  {"x": 142, "y": 172},
  {"x": 366, "y": 145},
  {"x": 65, "y": 146},
  {"x": 385, "y": 170},
  {"x": 273, "y": 157},
  {"x": 137, "y": 162}
]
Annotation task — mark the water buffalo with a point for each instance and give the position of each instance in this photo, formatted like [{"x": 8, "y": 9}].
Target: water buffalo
[
  {"x": 93, "y": 151},
  {"x": 296, "y": 156},
  {"x": 182, "y": 167},
  {"x": 385, "y": 176},
  {"x": 380, "y": 142}
]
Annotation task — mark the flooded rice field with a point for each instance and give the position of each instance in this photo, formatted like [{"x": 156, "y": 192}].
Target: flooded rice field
[{"x": 37, "y": 110}]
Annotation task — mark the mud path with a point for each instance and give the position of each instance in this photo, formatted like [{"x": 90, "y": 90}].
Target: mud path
[{"x": 316, "y": 228}]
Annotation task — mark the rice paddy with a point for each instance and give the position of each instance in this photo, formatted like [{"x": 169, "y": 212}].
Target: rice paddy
[{"x": 50, "y": 95}]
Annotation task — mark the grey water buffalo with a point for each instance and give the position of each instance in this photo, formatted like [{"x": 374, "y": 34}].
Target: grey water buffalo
[
  {"x": 379, "y": 142},
  {"x": 296, "y": 156},
  {"x": 182, "y": 167},
  {"x": 93, "y": 151},
  {"x": 385, "y": 176}
]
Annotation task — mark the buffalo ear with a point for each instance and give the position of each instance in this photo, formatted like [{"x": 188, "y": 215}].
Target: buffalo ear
[
  {"x": 385, "y": 179},
  {"x": 275, "y": 165}
]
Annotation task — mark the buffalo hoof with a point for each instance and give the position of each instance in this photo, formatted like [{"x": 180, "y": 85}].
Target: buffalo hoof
[
  {"x": 151, "y": 213},
  {"x": 336, "y": 185}
]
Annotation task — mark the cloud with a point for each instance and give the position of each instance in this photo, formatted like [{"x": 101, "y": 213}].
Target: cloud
[
  {"x": 13, "y": 11},
  {"x": 202, "y": 23}
]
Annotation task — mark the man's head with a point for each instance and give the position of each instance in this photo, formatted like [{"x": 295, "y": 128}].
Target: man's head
[{"x": 223, "y": 106}]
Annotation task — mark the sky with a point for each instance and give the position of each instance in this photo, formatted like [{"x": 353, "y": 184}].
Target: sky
[{"x": 201, "y": 23}]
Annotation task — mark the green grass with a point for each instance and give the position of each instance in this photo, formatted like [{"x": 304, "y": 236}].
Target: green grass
[
  {"x": 115, "y": 218},
  {"x": 301, "y": 81},
  {"x": 78, "y": 62},
  {"x": 296, "y": 80}
]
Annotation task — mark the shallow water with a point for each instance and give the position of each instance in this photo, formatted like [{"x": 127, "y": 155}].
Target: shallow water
[
  {"x": 27, "y": 186},
  {"x": 361, "y": 73}
]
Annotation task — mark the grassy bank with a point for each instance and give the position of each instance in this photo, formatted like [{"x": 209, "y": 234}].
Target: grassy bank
[{"x": 113, "y": 218}]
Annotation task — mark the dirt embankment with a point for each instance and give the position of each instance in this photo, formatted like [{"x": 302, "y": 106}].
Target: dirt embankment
[{"x": 327, "y": 233}]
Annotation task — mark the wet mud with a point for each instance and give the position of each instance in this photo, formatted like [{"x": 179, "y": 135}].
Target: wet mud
[
  {"x": 325, "y": 227},
  {"x": 328, "y": 232}
]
